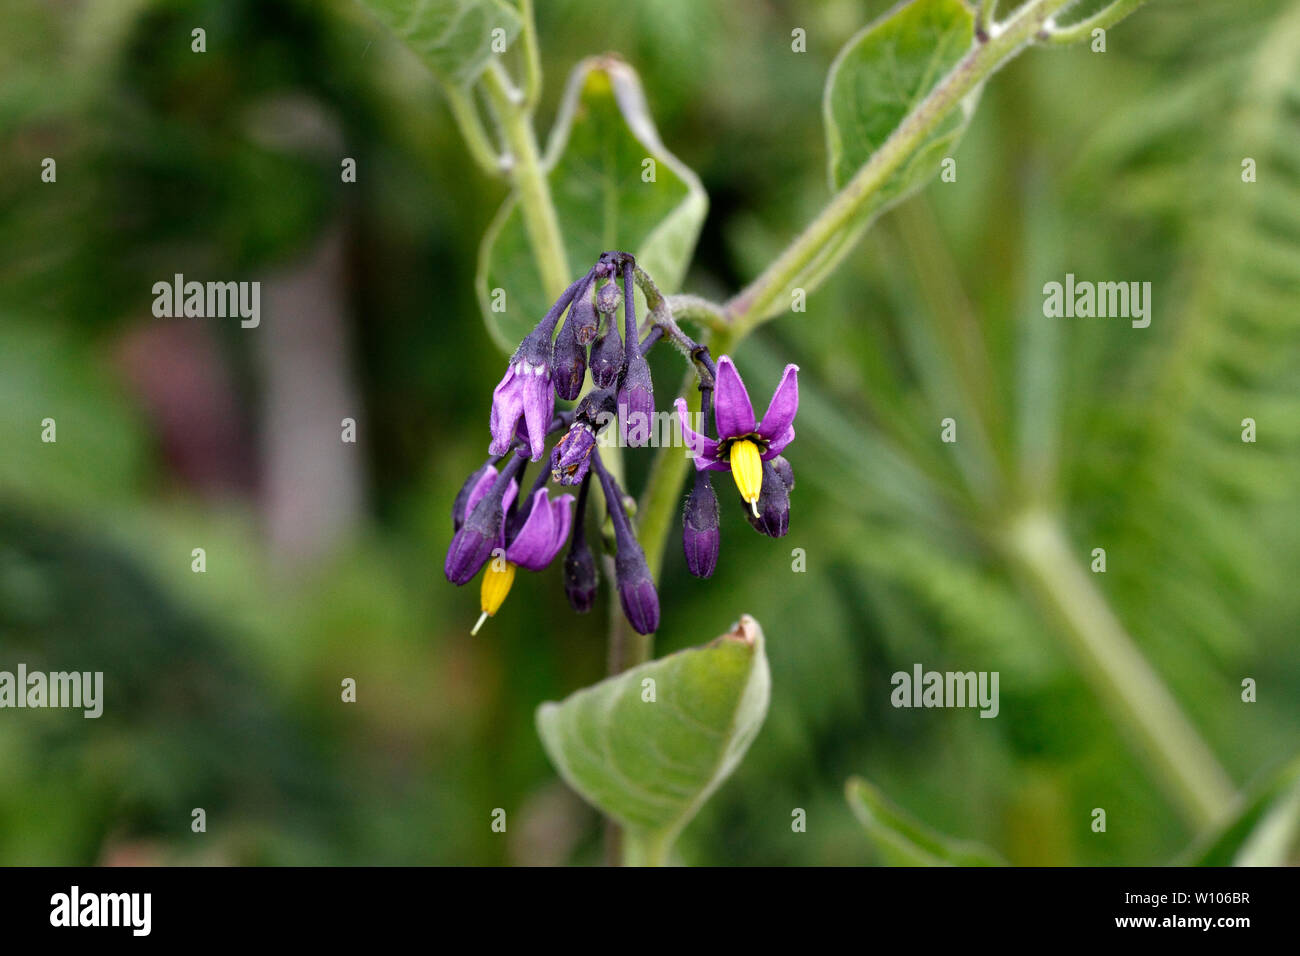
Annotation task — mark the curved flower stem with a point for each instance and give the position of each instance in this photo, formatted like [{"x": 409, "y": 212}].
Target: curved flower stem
[
  {"x": 1104, "y": 18},
  {"x": 758, "y": 300},
  {"x": 480, "y": 146},
  {"x": 532, "y": 58},
  {"x": 529, "y": 177}
]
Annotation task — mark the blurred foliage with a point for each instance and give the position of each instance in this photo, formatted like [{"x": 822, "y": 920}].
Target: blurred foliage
[{"x": 223, "y": 688}]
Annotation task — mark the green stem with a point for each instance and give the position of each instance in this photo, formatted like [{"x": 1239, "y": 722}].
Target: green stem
[
  {"x": 529, "y": 178},
  {"x": 471, "y": 128},
  {"x": 756, "y": 301},
  {"x": 1036, "y": 546},
  {"x": 532, "y": 58},
  {"x": 1104, "y": 18}
]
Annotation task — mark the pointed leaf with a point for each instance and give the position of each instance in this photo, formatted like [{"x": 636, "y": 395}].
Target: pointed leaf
[
  {"x": 905, "y": 841},
  {"x": 598, "y": 166},
  {"x": 651, "y": 763},
  {"x": 879, "y": 77},
  {"x": 452, "y": 37}
]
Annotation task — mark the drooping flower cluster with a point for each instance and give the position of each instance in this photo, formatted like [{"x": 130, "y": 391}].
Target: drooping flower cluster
[{"x": 496, "y": 531}]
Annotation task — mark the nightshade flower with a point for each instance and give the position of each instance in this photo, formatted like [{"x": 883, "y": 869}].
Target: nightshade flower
[
  {"x": 529, "y": 539},
  {"x": 743, "y": 444},
  {"x": 526, "y": 391}
]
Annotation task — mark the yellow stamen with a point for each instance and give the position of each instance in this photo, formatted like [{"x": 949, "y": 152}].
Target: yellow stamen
[
  {"x": 747, "y": 469},
  {"x": 497, "y": 578}
]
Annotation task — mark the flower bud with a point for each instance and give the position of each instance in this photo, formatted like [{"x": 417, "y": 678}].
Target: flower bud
[
  {"x": 580, "y": 575},
  {"x": 773, "y": 504},
  {"x": 636, "y": 586},
  {"x": 607, "y": 356},
  {"x": 701, "y": 536},
  {"x": 569, "y": 361},
  {"x": 636, "y": 401},
  {"x": 582, "y": 316},
  {"x": 607, "y": 297}
]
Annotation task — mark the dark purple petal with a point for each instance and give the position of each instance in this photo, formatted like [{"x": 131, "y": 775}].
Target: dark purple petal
[
  {"x": 539, "y": 407},
  {"x": 785, "y": 403},
  {"x": 785, "y": 472},
  {"x": 484, "y": 527},
  {"x": 507, "y": 406},
  {"x": 569, "y": 363},
  {"x": 731, "y": 407},
  {"x": 778, "y": 444},
  {"x": 543, "y": 533}
]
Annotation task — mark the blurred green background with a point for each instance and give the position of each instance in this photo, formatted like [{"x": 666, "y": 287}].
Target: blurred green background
[{"x": 324, "y": 559}]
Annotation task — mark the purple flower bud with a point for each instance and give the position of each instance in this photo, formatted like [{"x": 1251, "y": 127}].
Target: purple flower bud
[
  {"x": 607, "y": 297},
  {"x": 580, "y": 576},
  {"x": 773, "y": 503},
  {"x": 582, "y": 316},
  {"x": 636, "y": 402},
  {"x": 607, "y": 356},
  {"x": 636, "y": 586},
  {"x": 701, "y": 536},
  {"x": 569, "y": 362},
  {"x": 636, "y": 394}
]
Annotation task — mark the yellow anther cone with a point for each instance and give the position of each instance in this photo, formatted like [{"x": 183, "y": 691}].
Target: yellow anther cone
[
  {"x": 497, "y": 579},
  {"x": 747, "y": 469}
]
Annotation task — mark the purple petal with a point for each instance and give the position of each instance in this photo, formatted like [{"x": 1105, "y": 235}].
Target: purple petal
[
  {"x": 507, "y": 404},
  {"x": 731, "y": 407},
  {"x": 703, "y": 450},
  {"x": 543, "y": 533},
  {"x": 485, "y": 481},
  {"x": 539, "y": 406},
  {"x": 785, "y": 402},
  {"x": 778, "y": 444}
]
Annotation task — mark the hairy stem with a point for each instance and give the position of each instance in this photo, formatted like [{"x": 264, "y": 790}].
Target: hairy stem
[
  {"x": 759, "y": 299},
  {"x": 529, "y": 178},
  {"x": 1104, "y": 18}
]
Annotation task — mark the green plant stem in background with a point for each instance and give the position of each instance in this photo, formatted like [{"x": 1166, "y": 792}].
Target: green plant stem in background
[
  {"x": 1104, "y": 18},
  {"x": 529, "y": 178},
  {"x": 480, "y": 147},
  {"x": 1037, "y": 547},
  {"x": 532, "y": 56},
  {"x": 758, "y": 300}
]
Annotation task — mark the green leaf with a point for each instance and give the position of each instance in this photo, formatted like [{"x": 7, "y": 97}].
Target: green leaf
[
  {"x": 905, "y": 841},
  {"x": 596, "y": 159},
  {"x": 452, "y": 37},
  {"x": 879, "y": 77},
  {"x": 1263, "y": 831},
  {"x": 651, "y": 763}
]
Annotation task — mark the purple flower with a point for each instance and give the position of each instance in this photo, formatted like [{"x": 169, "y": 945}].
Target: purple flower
[
  {"x": 636, "y": 586},
  {"x": 526, "y": 392},
  {"x": 571, "y": 456},
  {"x": 743, "y": 444},
  {"x": 530, "y": 539}
]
